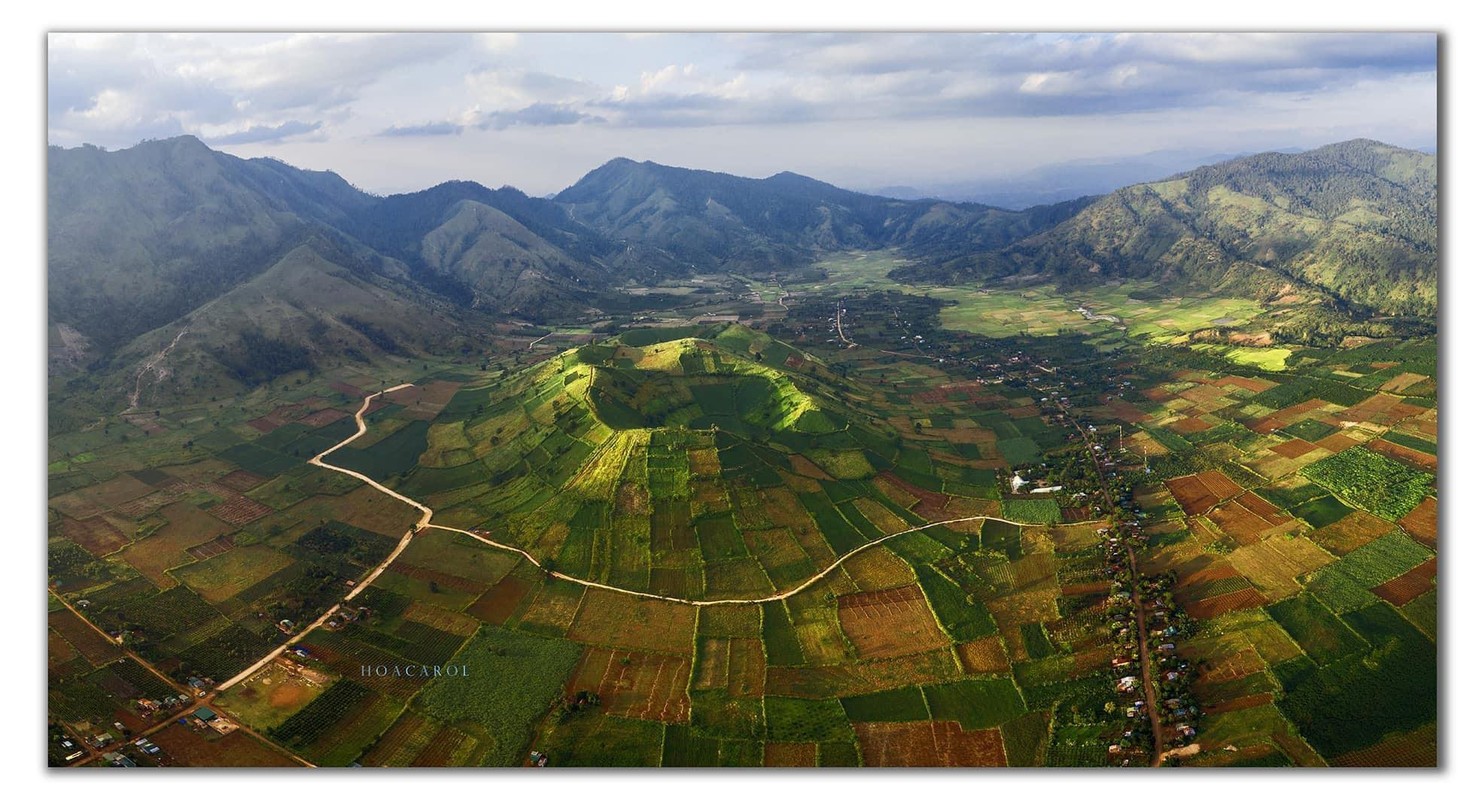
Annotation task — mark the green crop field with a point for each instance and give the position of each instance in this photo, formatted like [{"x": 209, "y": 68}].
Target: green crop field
[
  {"x": 1370, "y": 481},
  {"x": 516, "y": 678},
  {"x": 976, "y": 704},
  {"x": 735, "y": 462},
  {"x": 1033, "y": 512}
]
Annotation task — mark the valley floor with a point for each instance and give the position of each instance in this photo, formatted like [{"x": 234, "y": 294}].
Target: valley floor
[{"x": 838, "y": 542}]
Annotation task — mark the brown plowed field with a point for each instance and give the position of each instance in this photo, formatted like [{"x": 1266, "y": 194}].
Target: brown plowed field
[
  {"x": 1421, "y": 522},
  {"x": 239, "y": 510},
  {"x": 984, "y": 655},
  {"x": 1381, "y": 409},
  {"x": 1239, "y": 522},
  {"x": 1199, "y": 493},
  {"x": 890, "y": 622},
  {"x": 496, "y": 605},
  {"x": 1407, "y": 587},
  {"x": 1189, "y": 425},
  {"x": 1352, "y": 532},
  {"x": 929, "y": 744},
  {"x": 241, "y": 480},
  {"x": 187, "y": 747},
  {"x": 635, "y": 684},
  {"x": 1295, "y": 448},
  {"x": 931, "y": 503},
  {"x": 94, "y": 534},
  {"x": 323, "y": 417},
  {"x": 215, "y": 547},
  {"x": 791, "y": 754},
  {"x": 1338, "y": 442},
  {"x": 1241, "y": 703},
  {"x": 1414, "y": 458},
  {"x": 443, "y": 579},
  {"x": 1280, "y": 419},
  {"x": 1225, "y": 603},
  {"x": 85, "y": 640}
]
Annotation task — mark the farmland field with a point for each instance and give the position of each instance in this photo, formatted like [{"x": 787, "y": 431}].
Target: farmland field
[{"x": 719, "y": 544}]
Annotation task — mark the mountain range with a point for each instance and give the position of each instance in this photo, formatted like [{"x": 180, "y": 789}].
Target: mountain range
[{"x": 272, "y": 268}]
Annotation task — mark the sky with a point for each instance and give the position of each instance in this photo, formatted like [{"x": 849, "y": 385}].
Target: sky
[{"x": 396, "y": 112}]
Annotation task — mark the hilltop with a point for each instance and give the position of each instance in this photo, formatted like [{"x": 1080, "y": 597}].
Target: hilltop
[{"x": 1354, "y": 223}]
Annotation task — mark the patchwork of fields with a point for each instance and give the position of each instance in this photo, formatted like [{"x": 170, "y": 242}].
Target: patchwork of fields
[{"x": 1297, "y": 511}]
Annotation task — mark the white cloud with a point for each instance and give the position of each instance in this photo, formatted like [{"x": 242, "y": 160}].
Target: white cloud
[{"x": 586, "y": 91}]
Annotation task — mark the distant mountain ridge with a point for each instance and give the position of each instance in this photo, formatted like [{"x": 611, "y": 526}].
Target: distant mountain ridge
[
  {"x": 1355, "y": 221},
  {"x": 718, "y": 221},
  {"x": 311, "y": 269}
]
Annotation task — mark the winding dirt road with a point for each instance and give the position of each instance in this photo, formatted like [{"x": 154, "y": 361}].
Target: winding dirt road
[
  {"x": 426, "y": 522},
  {"x": 375, "y": 573}
]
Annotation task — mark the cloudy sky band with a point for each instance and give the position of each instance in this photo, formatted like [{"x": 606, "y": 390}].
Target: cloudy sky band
[{"x": 317, "y": 97}]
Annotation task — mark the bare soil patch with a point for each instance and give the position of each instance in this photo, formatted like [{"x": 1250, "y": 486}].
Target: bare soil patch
[
  {"x": 890, "y": 622},
  {"x": 929, "y": 744}
]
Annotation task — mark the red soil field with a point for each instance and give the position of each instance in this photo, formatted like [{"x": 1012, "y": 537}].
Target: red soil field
[
  {"x": 790, "y": 754},
  {"x": 1124, "y": 411},
  {"x": 1420, "y": 523},
  {"x": 1240, "y": 703},
  {"x": 94, "y": 534},
  {"x": 1263, "y": 509},
  {"x": 1296, "y": 448},
  {"x": 1352, "y": 532},
  {"x": 239, "y": 510},
  {"x": 1220, "y": 484},
  {"x": 423, "y": 401},
  {"x": 1189, "y": 425},
  {"x": 442, "y": 579},
  {"x": 929, "y": 744},
  {"x": 1238, "y": 521},
  {"x": 323, "y": 417},
  {"x": 932, "y": 503},
  {"x": 215, "y": 547},
  {"x": 185, "y": 746},
  {"x": 890, "y": 622},
  {"x": 1414, "y": 583},
  {"x": 240, "y": 480},
  {"x": 1225, "y": 603},
  {"x": 1286, "y": 416},
  {"x": 85, "y": 640},
  {"x": 1202, "y": 393},
  {"x": 1157, "y": 394},
  {"x": 1218, "y": 572},
  {"x": 1414, "y": 458},
  {"x": 1199, "y": 493},
  {"x": 496, "y": 605},
  {"x": 1338, "y": 442},
  {"x": 635, "y": 684}
]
